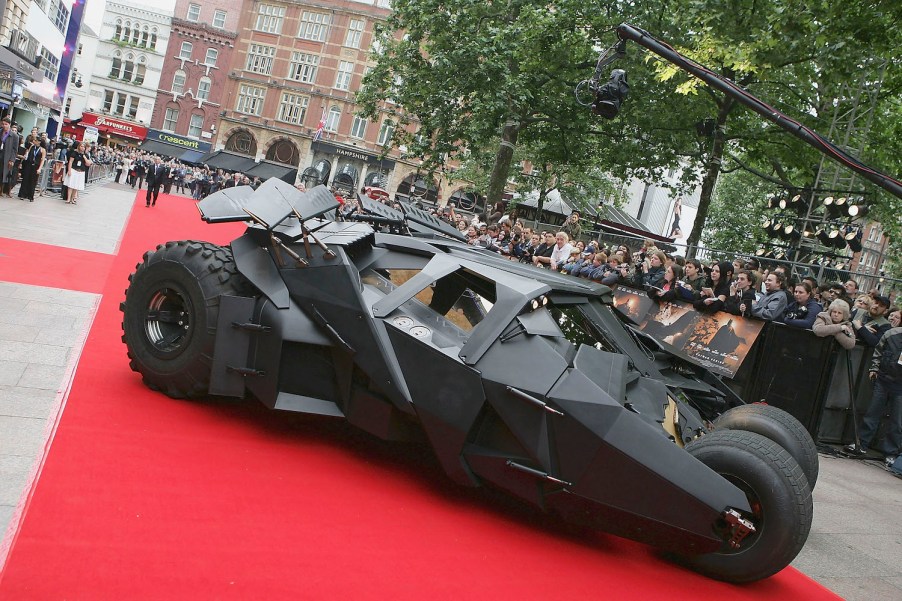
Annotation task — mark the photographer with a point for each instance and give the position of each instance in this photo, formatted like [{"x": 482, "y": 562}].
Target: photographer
[{"x": 802, "y": 311}]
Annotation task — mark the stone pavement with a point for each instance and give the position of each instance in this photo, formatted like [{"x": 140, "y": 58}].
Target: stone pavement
[{"x": 855, "y": 546}]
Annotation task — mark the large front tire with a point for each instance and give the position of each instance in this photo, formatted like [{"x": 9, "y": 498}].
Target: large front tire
[
  {"x": 781, "y": 427},
  {"x": 170, "y": 311},
  {"x": 778, "y": 494}
]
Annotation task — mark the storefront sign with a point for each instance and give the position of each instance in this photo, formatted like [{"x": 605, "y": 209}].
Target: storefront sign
[
  {"x": 114, "y": 126},
  {"x": 176, "y": 140},
  {"x": 353, "y": 154},
  {"x": 9, "y": 58}
]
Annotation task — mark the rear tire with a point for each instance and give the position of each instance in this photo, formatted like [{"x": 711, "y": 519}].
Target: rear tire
[
  {"x": 778, "y": 494},
  {"x": 781, "y": 427},
  {"x": 170, "y": 312}
]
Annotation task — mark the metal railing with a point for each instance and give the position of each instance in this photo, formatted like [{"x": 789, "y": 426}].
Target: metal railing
[{"x": 51, "y": 178}]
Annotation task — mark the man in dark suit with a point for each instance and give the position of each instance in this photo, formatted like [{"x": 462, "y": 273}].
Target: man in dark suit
[
  {"x": 9, "y": 148},
  {"x": 157, "y": 173}
]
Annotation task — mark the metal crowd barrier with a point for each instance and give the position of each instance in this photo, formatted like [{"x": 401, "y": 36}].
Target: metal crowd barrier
[{"x": 50, "y": 181}]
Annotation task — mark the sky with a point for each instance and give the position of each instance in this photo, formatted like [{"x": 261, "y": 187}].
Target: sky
[{"x": 94, "y": 9}]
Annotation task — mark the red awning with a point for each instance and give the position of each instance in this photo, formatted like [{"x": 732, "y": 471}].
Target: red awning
[{"x": 112, "y": 125}]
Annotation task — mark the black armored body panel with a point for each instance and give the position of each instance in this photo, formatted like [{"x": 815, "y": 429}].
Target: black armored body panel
[{"x": 520, "y": 378}]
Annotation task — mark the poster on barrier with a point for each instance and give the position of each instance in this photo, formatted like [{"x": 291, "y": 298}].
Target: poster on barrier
[
  {"x": 58, "y": 170},
  {"x": 716, "y": 341}
]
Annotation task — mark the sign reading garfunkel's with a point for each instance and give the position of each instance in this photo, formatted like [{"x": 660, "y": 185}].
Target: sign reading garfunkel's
[
  {"x": 114, "y": 126},
  {"x": 716, "y": 341}
]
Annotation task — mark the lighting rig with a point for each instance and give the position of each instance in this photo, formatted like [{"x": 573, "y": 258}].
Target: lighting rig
[{"x": 818, "y": 235}]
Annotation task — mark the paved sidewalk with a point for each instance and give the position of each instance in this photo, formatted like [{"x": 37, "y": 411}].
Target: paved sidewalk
[{"x": 854, "y": 548}]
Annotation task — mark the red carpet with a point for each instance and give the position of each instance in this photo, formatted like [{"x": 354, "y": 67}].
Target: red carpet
[
  {"x": 53, "y": 266},
  {"x": 144, "y": 497}
]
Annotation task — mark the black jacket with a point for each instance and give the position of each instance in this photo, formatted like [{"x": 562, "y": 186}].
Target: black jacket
[{"x": 885, "y": 361}]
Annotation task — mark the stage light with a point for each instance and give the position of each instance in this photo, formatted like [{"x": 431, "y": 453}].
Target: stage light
[
  {"x": 836, "y": 239},
  {"x": 854, "y": 240},
  {"x": 857, "y": 211},
  {"x": 823, "y": 235},
  {"x": 791, "y": 233}
]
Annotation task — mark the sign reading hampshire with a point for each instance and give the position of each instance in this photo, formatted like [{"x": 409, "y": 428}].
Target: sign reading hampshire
[{"x": 353, "y": 154}]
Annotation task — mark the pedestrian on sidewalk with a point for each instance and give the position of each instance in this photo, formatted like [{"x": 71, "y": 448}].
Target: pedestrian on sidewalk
[
  {"x": 32, "y": 163},
  {"x": 76, "y": 174},
  {"x": 9, "y": 147}
]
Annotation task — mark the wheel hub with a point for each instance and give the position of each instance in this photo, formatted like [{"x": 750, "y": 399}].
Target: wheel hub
[{"x": 168, "y": 323}]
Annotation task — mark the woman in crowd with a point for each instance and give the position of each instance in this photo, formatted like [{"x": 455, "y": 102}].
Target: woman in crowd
[
  {"x": 652, "y": 274},
  {"x": 835, "y": 322},
  {"x": 714, "y": 296},
  {"x": 894, "y": 317},
  {"x": 862, "y": 306},
  {"x": 32, "y": 163},
  {"x": 669, "y": 287},
  {"x": 77, "y": 167},
  {"x": 803, "y": 310},
  {"x": 742, "y": 294}
]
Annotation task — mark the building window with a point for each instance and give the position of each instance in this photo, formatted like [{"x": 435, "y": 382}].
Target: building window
[
  {"x": 250, "y": 100},
  {"x": 358, "y": 127},
  {"x": 120, "y": 103},
  {"x": 333, "y": 119},
  {"x": 107, "y": 100},
  {"x": 140, "y": 71},
  {"x": 269, "y": 18},
  {"x": 59, "y": 15},
  {"x": 193, "y": 12},
  {"x": 170, "y": 119},
  {"x": 203, "y": 88},
  {"x": 178, "y": 82},
  {"x": 185, "y": 51},
  {"x": 260, "y": 58},
  {"x": 128, "y": 70},
  {"x": 355, "y": 32},
  {"x": 49, "y": 64},
  {"x": 196, "y": 125},
  {"x": 116, "y": 68},
  {"x": 153, "y": 39},
  {"x": 303, "y": 67},
  {"x": 386, "y": 132},
  {"x": 133, "y": 107},
  {"x": 343, "y": 79},
  {"x": 219, "y": 18},
  {"x": 314, "y": 26},
  {"x": 212, "y": 55},
  {"x": 293, "y": 108}
]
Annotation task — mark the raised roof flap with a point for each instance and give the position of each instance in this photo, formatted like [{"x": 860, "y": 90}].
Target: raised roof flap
[{"x": 432, "y": 222}]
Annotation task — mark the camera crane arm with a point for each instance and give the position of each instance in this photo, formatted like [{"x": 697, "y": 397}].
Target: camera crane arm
[{"x": 649, "y": 42}]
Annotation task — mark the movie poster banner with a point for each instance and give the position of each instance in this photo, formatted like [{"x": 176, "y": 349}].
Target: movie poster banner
[{"x": 717, "y": 341}]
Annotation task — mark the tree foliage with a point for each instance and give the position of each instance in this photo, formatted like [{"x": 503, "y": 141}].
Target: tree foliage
[{"x": 488, "y": 77}]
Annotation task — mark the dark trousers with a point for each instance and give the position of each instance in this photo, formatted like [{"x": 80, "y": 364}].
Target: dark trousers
[
  {"x": 118, "y": 174},
  {"x": 887, "y": 395},
  {"x": 153, "y": 192}
]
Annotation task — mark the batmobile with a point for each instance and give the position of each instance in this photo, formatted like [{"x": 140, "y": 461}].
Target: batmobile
[{"x": 521, "y": 379}]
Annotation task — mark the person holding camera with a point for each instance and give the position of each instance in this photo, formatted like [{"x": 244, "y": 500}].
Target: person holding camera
[
  {"x": 714, "y": 296},
  {"x": 803, "y": 310}
]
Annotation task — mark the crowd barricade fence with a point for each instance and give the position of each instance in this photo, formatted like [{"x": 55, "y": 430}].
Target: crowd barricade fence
[{"x": 805, "y": 375}]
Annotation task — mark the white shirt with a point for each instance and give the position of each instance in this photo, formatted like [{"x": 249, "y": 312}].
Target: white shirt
[{"x": 560, "y": 254}]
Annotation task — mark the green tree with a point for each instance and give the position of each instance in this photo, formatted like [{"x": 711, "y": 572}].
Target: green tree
[{"x": 737, "y": 210}]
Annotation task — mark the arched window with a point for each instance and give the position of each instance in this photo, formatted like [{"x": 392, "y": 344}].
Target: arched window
[
  {"x": 135, "y": 33},
  {"x": 116, "y": 68},
  {"x": 178, "y": 82},
  {"x": 284, "y": 152},
  {"x": 242, "y": 142},
  {"x": 144, "y": 37},
  {"x": 128, "y": 70},
  {"x": 203, "y": 88},
  {"x": 333, "y": 119},
  {"x": 118, "y": 33},
  {"x": 126, "y": 31},
  {"x": 196, "y": 125},
  {"x": 212, "y": 55},
  {"x": 153, "y": 38},
  {"x": 140, "y": 72},
  {"x": 185, "y": 50}
]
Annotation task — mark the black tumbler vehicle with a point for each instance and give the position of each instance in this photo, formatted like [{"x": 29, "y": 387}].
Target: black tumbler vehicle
[{"x": 520, "y": 379}]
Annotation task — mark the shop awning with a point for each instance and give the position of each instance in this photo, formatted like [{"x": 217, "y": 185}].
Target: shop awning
[
  {"x": 192, "y": 156},
  {"x": 265, "y": 170},
  {"x": 229, "y": 161},
  {"x": 166, "y": 150}
]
